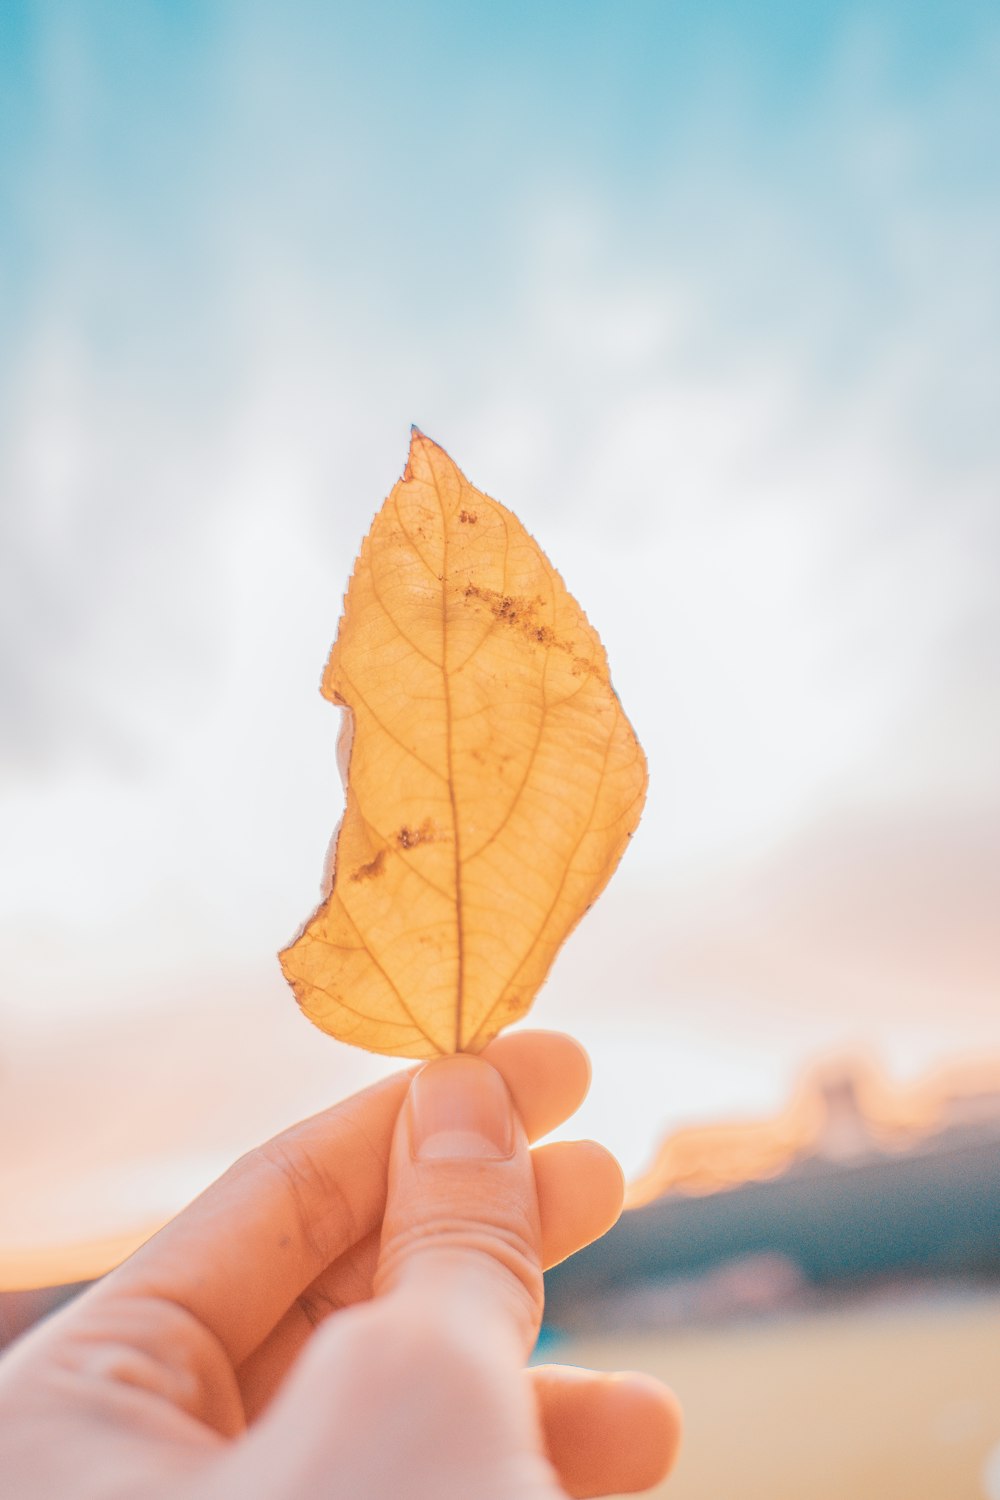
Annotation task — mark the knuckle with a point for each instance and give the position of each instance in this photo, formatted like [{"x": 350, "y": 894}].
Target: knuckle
[
  {"x": 318, "y": 1303},
  {"x": 321, "y": 1212},
  {"x": 146, "y": 1344},
  {"x": 507, "y": 1251}
]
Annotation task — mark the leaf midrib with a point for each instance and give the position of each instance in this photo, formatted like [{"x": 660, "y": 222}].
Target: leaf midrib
[{"x": 456, "y": 836}]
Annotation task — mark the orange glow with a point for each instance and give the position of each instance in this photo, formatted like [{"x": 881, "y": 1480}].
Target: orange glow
[
  {"x": 842, "y": 1110},
  {"x": 62, "y": 1265}
]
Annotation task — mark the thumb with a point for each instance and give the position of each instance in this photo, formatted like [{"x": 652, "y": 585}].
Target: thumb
[{"x": 460, "y": 1231}]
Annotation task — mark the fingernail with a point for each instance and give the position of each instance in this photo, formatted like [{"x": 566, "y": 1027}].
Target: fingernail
[{"x": 460, "y": 1110}]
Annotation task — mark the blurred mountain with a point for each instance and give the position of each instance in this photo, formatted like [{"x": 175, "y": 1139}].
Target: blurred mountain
[{"x": 853, "y": 1182}]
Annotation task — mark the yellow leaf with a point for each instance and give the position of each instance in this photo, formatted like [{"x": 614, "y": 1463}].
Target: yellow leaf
[{"x": 493, "y": 779}]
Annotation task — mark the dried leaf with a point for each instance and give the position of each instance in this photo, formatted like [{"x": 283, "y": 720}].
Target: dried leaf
[{"x": 493, "y": 779}]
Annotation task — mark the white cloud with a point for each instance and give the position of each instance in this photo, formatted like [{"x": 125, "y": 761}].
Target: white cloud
[{"x": 773, "y": 490}]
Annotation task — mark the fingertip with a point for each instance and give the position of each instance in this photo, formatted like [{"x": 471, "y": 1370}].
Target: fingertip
[
  {"x": 574, "y": 1057},
  {"x": 603, "y": 1162},
  {"x": 607, "y": 1433},
  {"x": 648, "y": 1407},
  {"x": 581, "y": 1191},
  {"x": 548, "y": 1074}
]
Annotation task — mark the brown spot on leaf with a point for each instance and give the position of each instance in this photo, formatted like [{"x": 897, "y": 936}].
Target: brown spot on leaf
[
  {"x": 468, "y": 517},
  {"x": 522, "y": 614},
  {"x": 508, "y": 608},
  {"x": 412, "y": 838},
  {"x": 372, "y": 869}
]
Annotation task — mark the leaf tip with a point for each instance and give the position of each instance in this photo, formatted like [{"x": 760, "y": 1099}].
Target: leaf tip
[
  {"x": 416, "y": 438},
  {"x": 420, "y": 439},
  {"x": 420, "y": 443}
]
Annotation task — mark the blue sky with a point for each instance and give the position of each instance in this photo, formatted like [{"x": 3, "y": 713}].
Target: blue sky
[
  {"x": 706, "y": 292},
  {"x": 129, "y": 130}
]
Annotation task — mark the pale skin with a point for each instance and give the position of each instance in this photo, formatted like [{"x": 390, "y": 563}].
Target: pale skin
[{"x": 347, "y": 1314}]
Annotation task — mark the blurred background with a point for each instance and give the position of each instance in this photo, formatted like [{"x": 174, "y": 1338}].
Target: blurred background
[{"x": 708, "y": 294}]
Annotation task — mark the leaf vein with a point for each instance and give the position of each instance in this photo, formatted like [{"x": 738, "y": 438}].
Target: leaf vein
[{"x": 559, "y": 890}]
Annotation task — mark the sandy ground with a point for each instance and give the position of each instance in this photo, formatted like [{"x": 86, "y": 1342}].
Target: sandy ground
[{"x": 894, "y": 1400}]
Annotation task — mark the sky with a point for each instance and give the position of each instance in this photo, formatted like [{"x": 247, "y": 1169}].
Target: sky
[{"x": 707, "y": 294}]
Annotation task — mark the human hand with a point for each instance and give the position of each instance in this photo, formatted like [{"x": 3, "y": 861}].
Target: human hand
[{"x": 208, "y": 1367}]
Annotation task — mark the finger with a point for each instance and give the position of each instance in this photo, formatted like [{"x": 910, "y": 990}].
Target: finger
[
  {"x": 239, "y": 1256},
  {"x": 548, "y": 1079},
  {"x": 579, "y": 1187},
  {"x": 345, "y": 1283},
  {"x": 461, "y": 1235},
  {"x": 606, "y": 1434},
  {"x": 580, "y": 1190}
]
